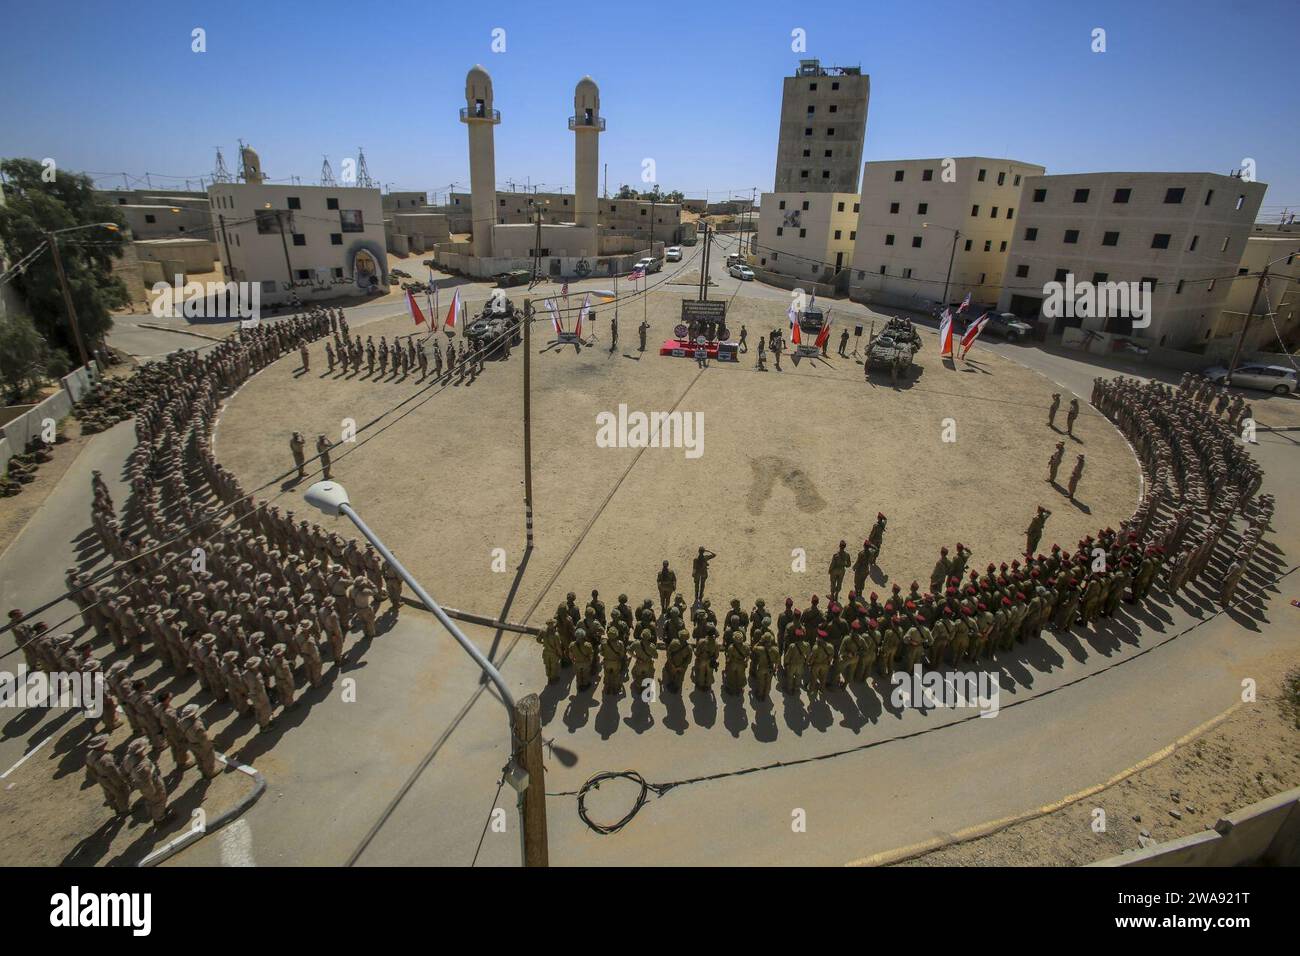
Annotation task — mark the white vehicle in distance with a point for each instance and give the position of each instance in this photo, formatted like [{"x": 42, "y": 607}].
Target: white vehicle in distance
[
  {"x": 735, "y": 257},
  {"x": 1271, "y": 378},
  {"x": 673, "y": 253},
  {"x": 649, "y": 264},
  {"x": 741, "y": 271}
]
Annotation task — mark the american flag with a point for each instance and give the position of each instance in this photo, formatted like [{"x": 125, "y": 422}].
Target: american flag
[
  {"x": 637, "y": 273},
  {"x": 564, "y": 289},
  {"x": 965, "y": 304}
]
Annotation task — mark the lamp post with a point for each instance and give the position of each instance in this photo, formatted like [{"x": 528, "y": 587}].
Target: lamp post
[
  {"x": 956, "y": 234},
  {"x": 524, "y": 772}
]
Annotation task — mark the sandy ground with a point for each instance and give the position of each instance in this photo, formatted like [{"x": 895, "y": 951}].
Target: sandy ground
[
  {"x": 17, "y": 510},
  {"x": 796, "y": 459},
  {"x": 1252, "y": 755}
]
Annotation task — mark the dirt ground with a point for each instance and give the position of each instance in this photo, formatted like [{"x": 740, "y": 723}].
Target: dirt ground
[
  {"x": 1250, "y": 756},
  {"x": 17, "y": 510},
  {"x": 796, "y": 459}
]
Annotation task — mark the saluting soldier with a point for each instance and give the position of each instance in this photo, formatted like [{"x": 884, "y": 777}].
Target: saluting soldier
[
  {"x": 840, "y": 563},
  {"x": 1054, "y": 463},
  {"x": 1075, "y": 476},
  {"x": 1070, "y": 417}
]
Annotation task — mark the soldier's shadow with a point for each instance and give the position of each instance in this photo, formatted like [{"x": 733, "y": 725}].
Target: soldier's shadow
[
  {"x": 734, "y": 716},
  {"x": 841, "y": 701},
  {"x": 607, "y": 719},
  {"x": 553, "y": 693},
  {"x": 796, "y": 717},
  {"x": 675, "y": 712},
  {"x": 641, "y": 718},
  {"x": 578, "y": 708},
  {"x": 704, "y": 708}
]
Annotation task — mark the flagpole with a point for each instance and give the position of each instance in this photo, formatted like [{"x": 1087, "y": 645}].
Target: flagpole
[{"x": 528, "y": 421}]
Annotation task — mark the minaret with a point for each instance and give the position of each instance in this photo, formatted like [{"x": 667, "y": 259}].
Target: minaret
[
  {"x": 479, "y": 115},
  {"x": 587, "y": 125}
]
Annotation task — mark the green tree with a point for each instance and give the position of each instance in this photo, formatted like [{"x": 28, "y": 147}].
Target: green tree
[
  {"x": 24, "y": 357},
  {"x": 31, "y": 209}
]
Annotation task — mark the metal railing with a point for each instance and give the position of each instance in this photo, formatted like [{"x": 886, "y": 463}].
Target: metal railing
[
  {"x": 490, "y": 116},
  {"x": 581, "y": 122}
]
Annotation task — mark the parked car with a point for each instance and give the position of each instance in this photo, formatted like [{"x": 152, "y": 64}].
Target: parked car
[
  {"x": 1009, "y": 327},
  {"x": 400, "y": 274},
  {"x": 673, "y": 253},
  {"x": 735, "y": 257},
  {"x": 513, "y": 277},
  {"x": 1271, "y": 378},
  {"x": 650, "y": 264},
  {"x": 430, "y": 263},
  {"x": 741, "y": 271}
]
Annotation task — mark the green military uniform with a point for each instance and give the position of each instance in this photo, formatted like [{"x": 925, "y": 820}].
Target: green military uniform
[
  {"x": 820, "y": 658},
  {"x": 795, "y": 660},
  {"x": 583, "y": 658},
  {"x": 766, "y": 659},
  {"x": 551, "y": 651},
  {"x": 737, "y": 656},
  {"x": 840, "y": 563},
  {"x": 614, "y": 658}
]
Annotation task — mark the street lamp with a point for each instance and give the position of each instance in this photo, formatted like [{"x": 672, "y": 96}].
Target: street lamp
[
  {"x": 331, "y": 498},
  {"x": 50, "y": 237},
  {"x": 955, "y": 235}
]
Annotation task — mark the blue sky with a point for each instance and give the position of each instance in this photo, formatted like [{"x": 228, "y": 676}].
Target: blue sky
[{"x": 115, "y": 87}]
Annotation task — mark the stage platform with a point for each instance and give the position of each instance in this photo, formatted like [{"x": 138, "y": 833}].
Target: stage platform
[{"x": 717, "y": 351}]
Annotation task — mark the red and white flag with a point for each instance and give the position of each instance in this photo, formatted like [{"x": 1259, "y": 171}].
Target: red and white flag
[
  {"x": 564, "y": 289},
  {"x": 414, "y": 307},
  {"x": 972, "y": 333},
  {"x": 965, "y": 304},
  {"x": 455, "y": 312},
  {"x": 637, "y": 273},
  {"x": 586, "y": 307},
  {"x": 945, "y": 334},
  {"x": 555, "y": 316},
  {"x": 824, "y": 335}
]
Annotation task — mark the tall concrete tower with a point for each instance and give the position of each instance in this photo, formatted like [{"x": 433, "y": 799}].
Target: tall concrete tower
[
  {"x": 587, "y": 125},
  {"x": 480, "y": 117}
]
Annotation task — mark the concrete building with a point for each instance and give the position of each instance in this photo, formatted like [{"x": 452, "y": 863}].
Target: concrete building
[
  {"x": 823, "y": 126},
  {"x": 927, "y": 224},
  {"x": 807, "y": 237},
  {"x": 405, "y": 201},
  {"x": 480, "y": 117},
  {"x": 1182, "y": 235},
  {"x": 1276, "y": 323},
  {"x": 641, "y": 219},
  {"x": 514, "y": 207},
  {"x": 587, "y": 125},
  {"x": 315, "y": 241}
]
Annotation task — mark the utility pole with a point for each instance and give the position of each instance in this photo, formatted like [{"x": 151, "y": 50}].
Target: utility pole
[
  {"x": 279, "y": 218},
  {"x": 537, "y": 249},
  {"x": 528, "y": 467},
  {"x": 528, "y": 736},
  {"x": 225, "y": 241},
  {"x": 952, "y": 255},
  {"x": 67, "y": 296},
  {"x": 1241, "y": 339},
  {"x": 606, "y": 187}
]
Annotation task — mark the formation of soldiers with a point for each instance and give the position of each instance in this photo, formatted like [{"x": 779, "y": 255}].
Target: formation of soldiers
[
  {"x": 244, "y": 606},
  {"x": 1200, "y": 479},
  {"x": 405, "y": 356}
]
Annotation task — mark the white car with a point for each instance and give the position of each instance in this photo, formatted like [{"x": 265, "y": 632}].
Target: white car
[
  {"x": 741, "y": 271},
  {"x": 649, "y": 264},
  {"x": 673, "y": 253},
  {"x": 1271, "y": 378}
]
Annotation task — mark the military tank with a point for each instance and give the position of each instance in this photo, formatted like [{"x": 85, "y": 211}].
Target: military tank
[
  {"x": 898, "y": 340},
  {"x": 495, "y": 327}
]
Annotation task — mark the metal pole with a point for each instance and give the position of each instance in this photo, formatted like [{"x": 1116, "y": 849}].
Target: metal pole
[
  {"x": 279, "y": 218},
  {"x": 1241, "y": 339},
  {"x": 952, "y": 255},
  {"x": 225, "y": 241},
  {"x": 528, "y": 420},
  {"x": 67, "y": 297}
]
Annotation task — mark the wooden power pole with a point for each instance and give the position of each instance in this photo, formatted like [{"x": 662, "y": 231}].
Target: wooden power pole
[
  {"x": 528, "y": 738},
  {"x": 53, "y": 240},
  {"x": 1241, "y": 339}
]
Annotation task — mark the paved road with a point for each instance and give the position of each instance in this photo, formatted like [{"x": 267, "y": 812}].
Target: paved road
[{"x": 409, "y": 771}]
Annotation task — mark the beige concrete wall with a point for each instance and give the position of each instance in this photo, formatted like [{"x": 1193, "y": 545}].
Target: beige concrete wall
[
  {"x": 564, "y": 241},
  {"x": 1207, "y": 233},
  {"x": 806, "y": 236},
  {"x": 823, "y": 110},
  {"x": 1279, "y": 247},
  {"x": 158, "y": 221},
  {"x": 194, "y": 255},
  {"x": 973, "y": 200}
]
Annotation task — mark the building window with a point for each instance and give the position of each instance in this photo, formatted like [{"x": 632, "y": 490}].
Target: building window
[
  {"x": 294, "y": 202},
  {"x": 1225, "y": 244},
  {"x": 927, "y": 175},
  {"x": 839, "y": 207},
  {"x": 966, "y": 248},
  {"x": 855, "y": 207},
  {"x": 907, "y": 273},
  {"x": 835, "y": 85},
  {"x": 826, "y": 174},
  {"x": 1122, "y": 195},
  {"x": 268, "y": 286},
  {"x": 1178, "y": 289},
  {"x": 1061, "y": 274},
  {"x": 916, "y": 242},
  {"x": 1002, "y": 246},
  {"x": 889, "y": 238},
  {"x": 336, "y": 238},
  {"x": 1031, "y": 233},
  {"x": 1195, "y": 240},
  {"x": 1208, "y": 196},
  {"x": 337, "y": 272},
  {"x": 834, "y": 108},
  {"x": 780, "y": 230},
  {"x": 983, "y": 276},
  {"x": 922, "y": 208},
  {"x": 1081, "y": 195},
  {"x": 302, "y": 274},
  {"x": 981, "y": 176},
  {"x": 805, "y": 205},
  {"x": 837, "y": 233},
  {"x": 149, "y": 217},
  {"x": 898, "y": 175},
  {"x": 830, "y": 130},
  {"x": 812, "y": 86},
  {"x": 826, "y": 155},
  {"x": 501, "y": 202},
  {"x": 988, "y": 245},
  {"x": 807, "y": 154},
  {"x": 299, "y": 239},
  {"x": 781, "y": 205},
  {"x": 351, "y": 220},
  {"x": 1241, "y": 201},
  {"x": 1071, "y": 236},
  {"x": 1040, "y": 195},
  {"x": 807, "y": 131},
  {"x": 643, "y": 212},
  {"x": 1099, "y": 277},
  {"x": 893, "y": 208},
  {"x": 331, "y": 202},
  {"x": 1022, "y": 272},
  {"x": 811, "y": 110},
  {"x": 1110, "y": 239},
  {"x": 882, "y": 270},
  {"x": 993, "y": 212},
  {"x": 853, "y": 235},
  {"x": 803, "y": 233},
  {"x": 1016, "y": 180},
  {"x": 1010, "y": 211},
  {"x": 1160, "y": 240},
  {"x": 975, "y": 210},
  {"x": 1210, "y": 287},
  {"x": 803, "y": 174},
  {"x": 1174, "y": 195}
]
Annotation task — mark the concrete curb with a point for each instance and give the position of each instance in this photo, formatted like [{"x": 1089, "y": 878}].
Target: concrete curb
[
  {"x": 191, "y": 836},
  {"x": 900, "y": 854}
]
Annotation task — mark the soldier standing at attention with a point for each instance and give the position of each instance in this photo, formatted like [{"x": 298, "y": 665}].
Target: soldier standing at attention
[
  {"x": 1070, "y": 416},
  {"x": 840, "y": 563},
  {"x": 700, "y": 572},
  {"x": 1075, "y": 476},
  {"x": 1035, "y": 530},
  {"x": 323, "y": 446},
  {"x": 877, "y": 535},
  {"x": 306, "y": 356},
  {"x": 844, "y": 343},
  {"x": 298, "y": 446},
  {"x": 642, "y": 329},
  {"x": 762, "y": 358},
  {"x": 1051, "y": 412},
  {"x": 862, "y": 567},
  {"x": 1054, "y": 463}
]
